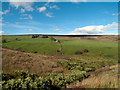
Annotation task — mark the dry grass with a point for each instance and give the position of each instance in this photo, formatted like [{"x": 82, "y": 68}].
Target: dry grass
[
  {"x": 105, "y": 79},
  {"x": 101, "y": 81},
  {"x": 103, "y": 37},
  {"x": 34, "y": 63}
]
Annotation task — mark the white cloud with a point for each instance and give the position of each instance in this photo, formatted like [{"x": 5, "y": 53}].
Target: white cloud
[
  {"x": 113, "y": 14},
  {"x": 57, "y": 29},
  {"x": 84, "y": 0},
  {"x": 22, "y": 3},
  {"x": 47, "y": 5},
  {"x": 26, "y": 16},
  {"x": 5, "y": 12},
  {"x": 30, "y": 16},
  {"x": 94, "y": 29},
  {"x": 41, "y": 9},
  {"x": 54, "y": 6},
  {"x": 74, "y": 0},
  {"x": 1, "y": 12},
  {"x": 22, "y": 10},
  {"x": 30, "y": 30},
  {"x": 22, "y": 0},
  {"x": 78, "y": 1},
  {"x": 52, "y": 0},
  {"x": 1, "y": 19},
  {"x": 1, "y": 32},
  {"x": 1, "y": 24},
  {"x": 16, "y": 23},
  {"x": 23, "y": 17},
  {"x": 49, "y": 15}
]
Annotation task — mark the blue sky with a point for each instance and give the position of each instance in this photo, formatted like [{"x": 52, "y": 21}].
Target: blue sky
[{"x": 76, "y": 18}]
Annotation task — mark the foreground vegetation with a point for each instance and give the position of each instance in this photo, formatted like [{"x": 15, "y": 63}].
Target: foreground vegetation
[
  {"x": 31, "y": 81},
  {"x": 53, "y": 63},
  {"x": 103, "y": 78}
]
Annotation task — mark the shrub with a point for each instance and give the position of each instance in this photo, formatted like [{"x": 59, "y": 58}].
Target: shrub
[
  {"x": 52, "y": 39},
  {"x": 17, "y": 39},
  {"x": 59, "y": 41},
  {"x": 35, "y": 36},
  {"x": 79, "y": 52},
  {"x": 58, "y": 50},
  {"x": 85, "y": 50},
  {"x": 4, "y": 41},
  {"x": 35, "y": 52}
]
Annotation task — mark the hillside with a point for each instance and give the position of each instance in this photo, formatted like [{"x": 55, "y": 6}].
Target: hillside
[{"x": 80, "y": 58}]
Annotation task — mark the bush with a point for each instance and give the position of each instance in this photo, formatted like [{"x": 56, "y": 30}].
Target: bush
[
  {"x": 58, "y": 50},
  {"x": 4, "y": 41},
  {"x": 85, "y": 50},
  {"x": 79, "y": 52},
  {"x": 35, "y": 36},
  {"x": 17, "y": 39},
  {"x": 35, "y": 52},
  {"x": 45, "y": 36},
  {"x": 52, "y": 39},
  {"x": 59, "y": 41}
]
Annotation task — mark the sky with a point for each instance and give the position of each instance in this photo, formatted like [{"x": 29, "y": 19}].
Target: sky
[{"x": 60, "y": 18}]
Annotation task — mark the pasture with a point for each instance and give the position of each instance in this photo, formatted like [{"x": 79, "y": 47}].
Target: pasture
[{"x": 70, "y": 46}]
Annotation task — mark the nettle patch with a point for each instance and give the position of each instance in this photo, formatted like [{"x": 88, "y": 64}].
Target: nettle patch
[{"x": 25, "y": 80}]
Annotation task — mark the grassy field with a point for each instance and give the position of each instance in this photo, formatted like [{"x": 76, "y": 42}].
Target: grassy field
[
  {"x": 41, "y": 57},
  {"x": 70, "y": 46}
]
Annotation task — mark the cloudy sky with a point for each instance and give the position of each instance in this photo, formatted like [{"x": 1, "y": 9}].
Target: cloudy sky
[{"x": 74, "y": 17}]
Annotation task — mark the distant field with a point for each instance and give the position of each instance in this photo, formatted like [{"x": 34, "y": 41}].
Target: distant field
[
  {"x": 70, "y": 46},
  {"x": 40, "y": 56}
]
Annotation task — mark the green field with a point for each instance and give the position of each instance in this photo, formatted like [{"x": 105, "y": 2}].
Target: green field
[
  {"x": 70, "y": 46},
  {"x": 99, "y": 54}
]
